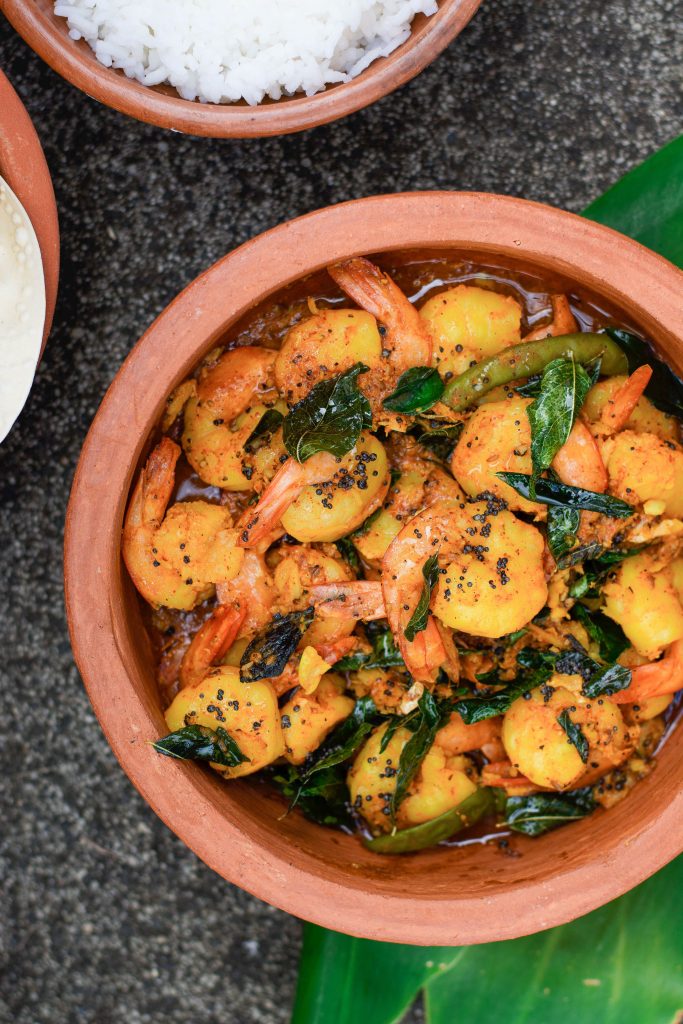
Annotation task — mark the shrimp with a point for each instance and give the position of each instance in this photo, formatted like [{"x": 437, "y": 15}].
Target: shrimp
[
  {"x": 251, "y": 591},
  {"x": 656, "y": 679},
  {"x": 641, "y": 596},
  {"x": 536, "y": 741},
  {"x": 323, "y": 498},
  {"x": 468, "y": 324},
  {"x": 176, "y": 557},
  {"x": 579, "y": 462},
  {"x": 618, "y": 411},
  {"x": 359, "y": 599},
  {"x": 406, "y": 340},
  {"x": 210, "y": 643},
  {"x": 563, "y": 321},
  {"x": 491, "y": 579},
  {"x": 643, "y": 418},
  {"x": 497, "y": 438},
  {"x": 420, "y": 482},
  {"x": 230, "y": 398}
]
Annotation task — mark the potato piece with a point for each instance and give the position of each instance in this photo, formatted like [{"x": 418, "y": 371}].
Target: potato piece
[
  {"x": 468, "y": 324},
  {"x": 643, "y": 468},
  {"x": 374, "y": 541},
  {"x": 372, "y": 777},
  {"x": 493, "y": 583},
  {"x": 247, "y": 711},
  {"x": 441, "y": 784},
  {"x": 308, "y": 718},
  {"x": 539, "y": 747},
  {"x": 331, "y": 341},
  {"x": 642, "y": 598}
]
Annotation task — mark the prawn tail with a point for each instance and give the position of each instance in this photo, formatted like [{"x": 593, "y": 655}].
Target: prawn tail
[
  {"x": 210, "y": 643},
  {"x": 356, "y": 600},
  {"x": 259, "y": 520},
  {"x": 157, "y": 481}
]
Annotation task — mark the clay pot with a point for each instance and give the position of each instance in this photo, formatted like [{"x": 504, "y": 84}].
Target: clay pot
[
  {"x": 23, "y": 166},
  {"x": 439, "y": 896},
  {"x": 48, "y": 35}
]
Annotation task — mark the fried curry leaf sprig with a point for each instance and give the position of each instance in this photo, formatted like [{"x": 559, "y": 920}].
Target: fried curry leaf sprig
[
  {"x": 270, "y": 650},
  {"x": 199, "y": 743}
]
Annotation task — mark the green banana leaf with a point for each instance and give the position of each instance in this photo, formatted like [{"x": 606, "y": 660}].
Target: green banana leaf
[
  {"x": 647, "y": 203},
  {"x": 622, "y": 964}
]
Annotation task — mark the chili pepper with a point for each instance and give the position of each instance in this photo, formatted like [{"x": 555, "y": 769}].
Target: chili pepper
[
  {"x": 429, "y": 833},
  {"x": 528, "y": 359}
]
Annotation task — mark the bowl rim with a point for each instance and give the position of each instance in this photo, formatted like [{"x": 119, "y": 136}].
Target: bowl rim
[
  {"x": 467, "y": 221},
  {"x": 24, "y": 168},
  {"x": 39, "y": 29}
]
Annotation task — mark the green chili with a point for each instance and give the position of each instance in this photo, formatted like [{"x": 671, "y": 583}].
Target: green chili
[
  {"x": 407, "y": 840},
  {"x": 528, "y": 359}
]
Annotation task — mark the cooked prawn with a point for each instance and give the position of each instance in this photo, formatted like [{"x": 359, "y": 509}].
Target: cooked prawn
[
  {"x": 210, "y": 643},
  {"x": 323, "y": 498},
  {"x": 176, "y": 557},
  {"x": 563, "y": 321},
  {"x": 656, "y": 679},
  {"x": 406, "y": 340},
  {"x": 491, "y": 578},
  {"x": 229, "y": 400},
  {"x": 619, "y": 409}
]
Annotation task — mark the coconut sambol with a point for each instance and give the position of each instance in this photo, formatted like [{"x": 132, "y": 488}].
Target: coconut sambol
[{"x": 417, "y": 561}]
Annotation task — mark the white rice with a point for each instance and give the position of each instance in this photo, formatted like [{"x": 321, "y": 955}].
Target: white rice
[{"x": 220, "y": 51}]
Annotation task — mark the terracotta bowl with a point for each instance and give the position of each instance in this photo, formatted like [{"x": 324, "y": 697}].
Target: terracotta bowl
[
  {"x": 48, "y": 35},
  {"x": 23, "y": 166},
  {"x": 439, "y": 896}
]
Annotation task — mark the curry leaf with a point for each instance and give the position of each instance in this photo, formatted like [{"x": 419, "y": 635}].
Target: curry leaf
[
  {"x": 607, "y": 634},
  {"x": 418, "y": 389},
  {"x": 384, "y": 654},
  {"x": 550, "y": 492},
  {"x": 441, "y": 438},
  {"x": 562, "y": 526},
  {"x": 417, "y": 747},
  {"x": 608, "y": 681},
  {"x": 271, "y": 649},
  {"x": 418, "y": 620},
  {"x": 329, "y": 419},
  {"x": 199, "y": 743},
  {"x": 540, "y": 812},
  {"x": 537, "y": 667},
  {"x": 574, "y": 734},
  {"x": 324, "y": 798},
  {"x": 268, "y": 424},
  {"x": 344, "y": 740},
  {"x": 564, "y": 386}
]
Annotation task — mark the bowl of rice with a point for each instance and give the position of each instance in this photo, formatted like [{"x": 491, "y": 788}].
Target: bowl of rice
[{"x": 232, "y": 68}]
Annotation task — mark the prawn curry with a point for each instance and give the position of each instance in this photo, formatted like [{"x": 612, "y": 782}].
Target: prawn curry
[{"x": 412, "y": 550}]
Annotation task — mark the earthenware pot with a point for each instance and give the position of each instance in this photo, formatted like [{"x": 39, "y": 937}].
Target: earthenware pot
[
  {"x": 48, "y": 36},
  {"x": 23, "y": 166},
  {"x": 439, "y": 896}
]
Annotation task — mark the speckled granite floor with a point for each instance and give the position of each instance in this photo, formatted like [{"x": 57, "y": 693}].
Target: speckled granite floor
[{"x": 106, "y": 917}]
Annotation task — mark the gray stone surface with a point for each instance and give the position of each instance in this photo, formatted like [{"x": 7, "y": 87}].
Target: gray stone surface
[{"x": 106, "y": 917}]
